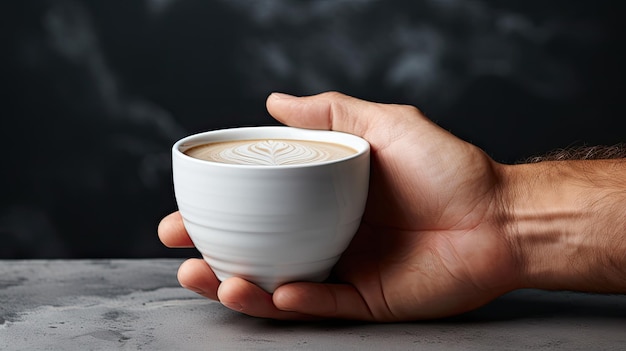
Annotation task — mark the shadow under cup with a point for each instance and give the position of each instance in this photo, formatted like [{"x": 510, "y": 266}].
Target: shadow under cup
[{"x": 271, "y": 224}]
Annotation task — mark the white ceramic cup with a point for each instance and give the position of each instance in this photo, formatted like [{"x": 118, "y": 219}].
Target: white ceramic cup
[{"x": 271, "y": 224}]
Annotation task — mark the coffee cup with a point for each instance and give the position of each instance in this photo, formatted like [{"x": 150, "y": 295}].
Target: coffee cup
[{"x": 271, "y": 205}]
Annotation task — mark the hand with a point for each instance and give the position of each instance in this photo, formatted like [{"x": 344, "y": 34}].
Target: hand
[{"x": 430, "y": 244}]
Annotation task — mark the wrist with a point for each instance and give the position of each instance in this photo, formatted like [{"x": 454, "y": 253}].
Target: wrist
[{"x": 565, "y": 221}]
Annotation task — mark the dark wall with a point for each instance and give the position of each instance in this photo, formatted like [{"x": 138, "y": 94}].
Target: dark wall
[{"x": 95, "y": 92}]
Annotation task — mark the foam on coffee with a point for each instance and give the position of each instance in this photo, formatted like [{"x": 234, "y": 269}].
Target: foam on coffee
[{"x": 270, "y": 152}]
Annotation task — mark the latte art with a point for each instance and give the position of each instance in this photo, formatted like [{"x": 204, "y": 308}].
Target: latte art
[
  {"x": 270, "y": 152},
  {"x": 273, "y": 152}
]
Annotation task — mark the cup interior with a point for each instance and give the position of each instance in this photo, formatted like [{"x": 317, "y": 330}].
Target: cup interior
[{"x": 359, "y": 144}]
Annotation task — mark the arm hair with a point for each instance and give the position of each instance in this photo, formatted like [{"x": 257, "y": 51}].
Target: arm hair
[{"x": 599, "y": 152}]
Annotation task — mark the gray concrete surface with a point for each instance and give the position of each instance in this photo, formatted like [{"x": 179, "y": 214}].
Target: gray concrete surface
[{"x": 138, "y": 304}]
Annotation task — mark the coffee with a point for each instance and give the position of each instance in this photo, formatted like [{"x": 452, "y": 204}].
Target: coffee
[{"x": 270, "y": 152}]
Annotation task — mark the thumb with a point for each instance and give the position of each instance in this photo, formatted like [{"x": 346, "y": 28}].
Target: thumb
[{"x": 331, "y": 110}]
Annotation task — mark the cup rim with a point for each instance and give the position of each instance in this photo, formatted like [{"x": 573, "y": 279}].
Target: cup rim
[{"x": 361, "y": 145}]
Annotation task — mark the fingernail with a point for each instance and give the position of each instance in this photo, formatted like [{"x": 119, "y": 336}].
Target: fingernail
[
  {"x": 277, "y": 95},
  {"x": 194, "y": 289},
  {"x": 233, "y": 305}
]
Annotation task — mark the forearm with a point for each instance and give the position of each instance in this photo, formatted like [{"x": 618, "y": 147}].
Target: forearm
[{"x": 566, "y": 221}]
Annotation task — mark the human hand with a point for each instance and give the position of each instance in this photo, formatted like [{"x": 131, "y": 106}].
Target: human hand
[{"x": 430, "y": 244}]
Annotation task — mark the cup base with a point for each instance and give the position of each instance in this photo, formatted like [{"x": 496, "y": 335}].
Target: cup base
[{"x": 271, "y": 283}]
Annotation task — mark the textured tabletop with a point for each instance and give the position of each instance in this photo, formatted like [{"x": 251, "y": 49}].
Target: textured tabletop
[{"x": 138, "y": 304}]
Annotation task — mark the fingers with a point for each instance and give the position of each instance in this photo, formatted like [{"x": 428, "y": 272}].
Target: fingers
[
  {"x": 196, "y": 275},
  {"x": 332, "y": 111},
  {"x": 245, "y": 297},
  {"x": 295, "y": 301},
  {"x": 380, "y": 124},
  {"x": 172, "y": 232},
  {"x": 323, "y": 300},
  {"x": 235, "y": 293}
]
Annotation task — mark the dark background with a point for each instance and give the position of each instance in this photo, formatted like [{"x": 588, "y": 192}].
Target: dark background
[{"x": 94, "y": 93}]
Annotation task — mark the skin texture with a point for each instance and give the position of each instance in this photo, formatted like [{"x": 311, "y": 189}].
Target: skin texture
[{"x": 446, "y": 229}]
